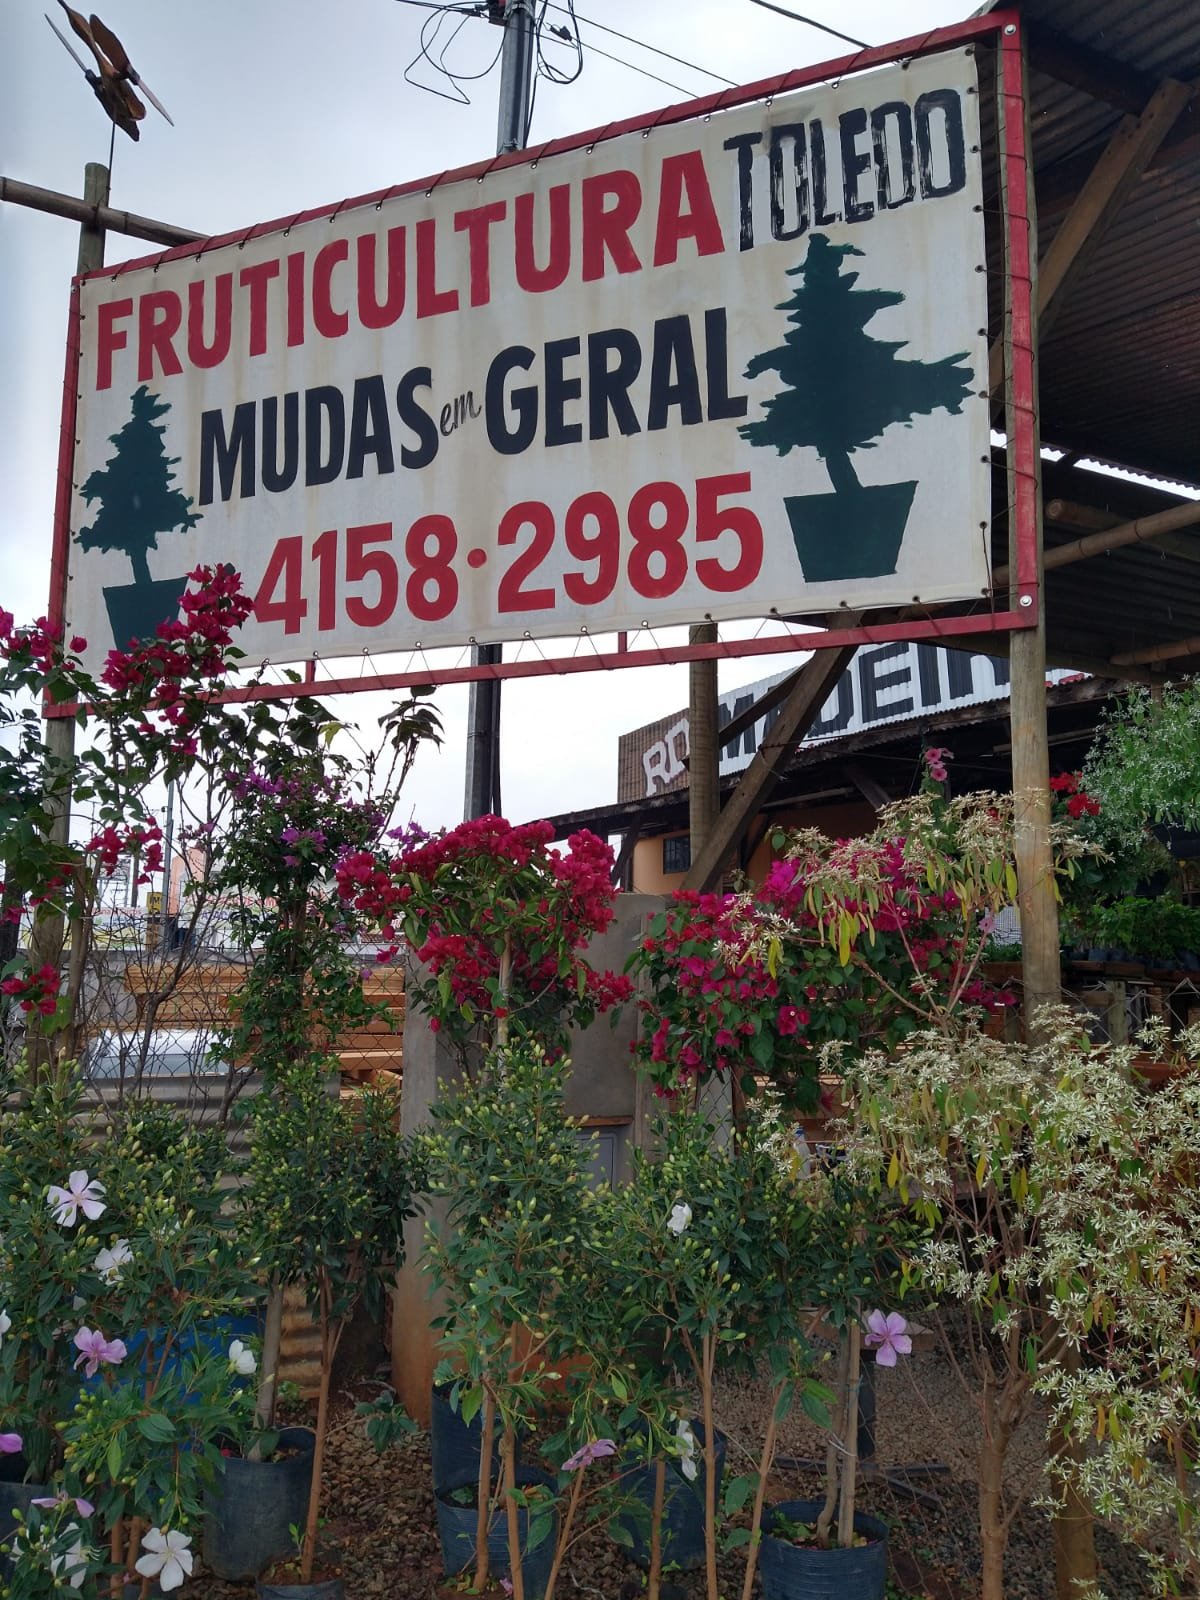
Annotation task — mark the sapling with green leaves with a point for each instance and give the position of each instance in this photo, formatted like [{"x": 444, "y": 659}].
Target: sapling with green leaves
[
  {"x": 511, "y": 1259},
  {"x": 338, "y": 1239},
  {"x": 707, "y": 1242}
]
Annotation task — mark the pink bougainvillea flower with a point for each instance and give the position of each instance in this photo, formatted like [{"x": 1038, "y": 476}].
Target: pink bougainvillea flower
[
  {"x": 887, "y": 1335},
  {"x": 594, "y": 1451},
  {"x": 79, "y": 1195},
  {"x": 10, "y": 1444},
  {"x": 94, "y": 1348}
]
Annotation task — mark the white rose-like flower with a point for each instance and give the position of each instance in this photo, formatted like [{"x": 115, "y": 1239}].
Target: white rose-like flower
[
  {"x": 687, "y": 1456},
  {"x": 5, "y": 1324},
  {"x": 681, "y": 1216},
  {"x": 242, "y": 1360},
  {"x": 109, "y": 1262},
  {"x": 168, "y": 1558}
]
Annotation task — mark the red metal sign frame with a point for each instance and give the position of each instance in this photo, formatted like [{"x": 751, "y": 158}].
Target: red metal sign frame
[{"x": 1005, "y": 25}]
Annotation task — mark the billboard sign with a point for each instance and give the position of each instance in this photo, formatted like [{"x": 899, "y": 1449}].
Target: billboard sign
[
  {"x": 888, "y": 683},
  {"x": 728, "y": 366}
]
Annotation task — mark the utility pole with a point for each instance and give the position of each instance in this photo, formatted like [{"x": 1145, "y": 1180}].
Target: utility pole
[
  {"x": 517, "y": 19},
  {"x": 47, "y": 936}
]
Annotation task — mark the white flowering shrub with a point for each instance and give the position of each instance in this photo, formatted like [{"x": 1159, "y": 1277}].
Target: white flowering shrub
[{"x": 1062, "y": 1200}]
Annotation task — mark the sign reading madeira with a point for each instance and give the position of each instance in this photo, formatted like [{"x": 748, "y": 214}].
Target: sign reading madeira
[{"x": 719, "y": 368}]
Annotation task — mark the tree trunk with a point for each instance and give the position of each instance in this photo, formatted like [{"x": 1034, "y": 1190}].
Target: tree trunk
[
  {"x": 850, "y": 1439},
  {"x": 654, "y": 1577},
  {"x": 841, "y": 474},
  {"x": 993, "y": 1535},
  {"x": 314, "y": 1494},
  {"x": 264, "y": 1409},
  {"x": 508, "y": 1451},
  {"x": 487, "y": 1432},
  {"x": 141, "y": 567},
  {"x": 1074, "y": 1538},
  {"x": 710, "y": 1475}
]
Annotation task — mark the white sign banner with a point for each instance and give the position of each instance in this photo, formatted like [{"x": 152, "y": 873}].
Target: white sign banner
[{"x": 724, "y": 368}]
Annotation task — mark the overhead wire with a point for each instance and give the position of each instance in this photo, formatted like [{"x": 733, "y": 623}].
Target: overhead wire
[
  {"x": 641, "y": 43},
  {"x": 573, "y": 40}
]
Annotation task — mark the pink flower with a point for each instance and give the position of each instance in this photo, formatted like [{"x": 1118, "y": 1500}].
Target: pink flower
[
  {"x": 887, "y": 1335},
  {"x": 79, "y": 1195},
  {"x": 85, "y": 1508},
  {"x": 94, "y": 1348},
  {"x": 10, "y": 1444},
  {"x": 594, "y": 1451}
]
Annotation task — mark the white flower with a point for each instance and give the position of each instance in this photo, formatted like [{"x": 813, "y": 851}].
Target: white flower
[
  {"x": 168, "y": 1559},
  {"x": 680, "y": 1216},
  {"x": 687, "y": 1449},
  {"x": 109, "y": 1262},
  {"x": 79, "y": 1195},
  {"x": 242, "y": 1360},
  {"x": 74, "y": 1562},
  {"x": 5, "y": 1324}
]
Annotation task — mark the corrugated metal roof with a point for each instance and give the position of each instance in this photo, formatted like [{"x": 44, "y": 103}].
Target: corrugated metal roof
[
  {"x": 1119, "y": 360},
  {"x": 1119, "y": 365}
]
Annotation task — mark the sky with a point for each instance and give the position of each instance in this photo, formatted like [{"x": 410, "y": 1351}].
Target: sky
[{"x": 284, "y": 105}]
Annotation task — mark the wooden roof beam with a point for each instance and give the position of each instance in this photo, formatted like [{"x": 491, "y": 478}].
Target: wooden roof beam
[
  {"x": 808, "y": 694},
  {"x": 1139, "y": 531},
  {"x": 1122, "y": 163},
  {"x": 1097, "y": 74},
  {"x": 1092, "y": 519},
  {"x": 1160, "y": 652}
]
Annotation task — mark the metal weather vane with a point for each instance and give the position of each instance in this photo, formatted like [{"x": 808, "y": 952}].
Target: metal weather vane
[{"x": 114, "y": 80}]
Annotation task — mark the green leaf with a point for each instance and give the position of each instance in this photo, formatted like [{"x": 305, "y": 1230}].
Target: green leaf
[
  {"x": 737, "y": 1492},
  {"x": 156, "y": 1427}
]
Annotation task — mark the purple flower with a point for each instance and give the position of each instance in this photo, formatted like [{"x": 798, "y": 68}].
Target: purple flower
[
  {"x": 887, "y": 1335},
  {"x": 85, "y": 1508},
  {"x": 289, "y": 835},
  {"x": 291, "y": 861},
  {"x": 10, "y": 1443},
  {"x": 589, "y": 1453},
  {"x": 94, "y": 1348}
]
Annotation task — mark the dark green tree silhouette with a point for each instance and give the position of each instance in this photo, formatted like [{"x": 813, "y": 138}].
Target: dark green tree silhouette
[
  {"x": 137, "y": 502},
  {"x": 842, "y": 387}
]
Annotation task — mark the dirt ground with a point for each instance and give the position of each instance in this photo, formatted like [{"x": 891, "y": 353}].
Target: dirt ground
[{"x": 381, "y": 1528}]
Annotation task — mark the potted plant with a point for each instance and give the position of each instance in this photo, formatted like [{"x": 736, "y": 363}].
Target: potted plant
[
  {"x": 857, "y": 1244},
  {"x": 840, "y": 390},
  {"x": 137, "y": 503},
  {"x": 508, "y": 1260},
  {"x": 336, "y": 1240}
]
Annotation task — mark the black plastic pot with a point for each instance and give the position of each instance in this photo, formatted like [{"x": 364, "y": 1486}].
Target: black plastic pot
[
  {"x": 683, "y": 1507},
  {"x": 254, "y": 1504},
  {"x": 794, "y": 1572},
  {"x": 327, "y": 1589},
  {"x": 454, "y": 1445},
  {"x": 456, "y": 1529},
  {"x": 16, "y": 1497}
]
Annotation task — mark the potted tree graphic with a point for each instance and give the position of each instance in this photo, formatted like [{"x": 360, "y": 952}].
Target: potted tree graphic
[
  {"x": 841, "y": 390},
  {"x": 137, "y": 503}
]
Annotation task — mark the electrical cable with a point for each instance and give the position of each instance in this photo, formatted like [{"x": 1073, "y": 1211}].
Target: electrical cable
[
  {"x": 570, "y": 39},
  {"x": 427, "y": 42},
  {"x": 569, "y": 8},
  {"x": 812, "y": 23},
  {"x": 621, "y": 62}
]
